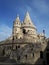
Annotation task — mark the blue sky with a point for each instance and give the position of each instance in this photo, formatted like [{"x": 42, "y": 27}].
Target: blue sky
[{"x": 38, "y": 10}]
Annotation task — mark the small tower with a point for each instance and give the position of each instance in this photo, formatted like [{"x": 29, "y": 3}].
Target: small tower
[{"x": 17, "y": 28}]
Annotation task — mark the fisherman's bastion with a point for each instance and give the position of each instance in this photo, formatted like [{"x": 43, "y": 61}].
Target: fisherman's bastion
[{"x": 25, "y": 45}]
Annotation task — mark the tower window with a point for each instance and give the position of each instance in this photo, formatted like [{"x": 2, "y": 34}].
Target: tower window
[
  {"x": 33, "y": 54},
  {"x": 26, "y": 56},
  {"x": 18, "y": 46},
  {"x": 13, "y": 38},
  {"x": 24, "y": 31},
  {"x": 3, "y": 51}
]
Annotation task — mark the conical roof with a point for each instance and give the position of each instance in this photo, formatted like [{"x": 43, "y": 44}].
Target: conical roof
[
  {"x": 17, "y": 21},
  {"x": 27, "y": 20}
]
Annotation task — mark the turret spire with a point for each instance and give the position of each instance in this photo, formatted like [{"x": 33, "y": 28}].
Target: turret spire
[
  {"x": 17, "y": 19},
  {"x": 28, "y": 20},
  {"x": 27, "y": 14}
]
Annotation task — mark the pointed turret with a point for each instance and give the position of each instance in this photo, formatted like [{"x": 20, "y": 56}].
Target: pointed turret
[
  {"x": 29, "y": 26},
  {"x": 27, "y": 18},
  {"x": 28, "y": 21},
  {"x": 17, "y": 21},
  {"x": 17, "y": 28}
]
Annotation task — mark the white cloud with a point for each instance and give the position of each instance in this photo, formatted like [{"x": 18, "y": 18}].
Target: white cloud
[{"x": 5, "y": 32}]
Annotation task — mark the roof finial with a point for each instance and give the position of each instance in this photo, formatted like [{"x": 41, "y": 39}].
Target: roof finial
[
  {"x": 27, "y": 13},
  {"x": 17, "y": 16}
]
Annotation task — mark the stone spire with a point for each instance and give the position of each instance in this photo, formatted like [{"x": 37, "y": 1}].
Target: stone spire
[
  {"x": 17, "y": 21},
  {"x": 27, "y": 18},
  {"x": 28, "y": 21}
]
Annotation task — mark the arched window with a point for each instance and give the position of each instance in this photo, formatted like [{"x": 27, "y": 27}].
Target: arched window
[
  {"x": 26, "y": 56},
  {"x": 33, "y": 54},
  {"x": 3, "y": 51},
  {"x": 19, "y": 46},
  {"x": 16, "y": 47},
  {"x": 13, "y": 38},
  {"x": 24, "y": 31}
]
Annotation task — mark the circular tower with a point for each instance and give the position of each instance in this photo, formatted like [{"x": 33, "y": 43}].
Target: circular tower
[
  {"x": 29, "y": 27},
  {"x": 17, "y": 32}
]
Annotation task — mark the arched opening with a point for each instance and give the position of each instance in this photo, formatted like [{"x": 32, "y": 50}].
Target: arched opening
[
  {"x": 26, "y": 56},
  {"x": 19, "y": 46},
  {"x": 33, "y": 54},
  {"x": 3, "y": 51},
  {"x": 24, "y": 31}
]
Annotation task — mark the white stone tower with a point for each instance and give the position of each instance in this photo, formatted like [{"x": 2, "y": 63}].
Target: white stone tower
[
  {"x": 17, "y": 29},
  {"x": 29, "y": 26}
]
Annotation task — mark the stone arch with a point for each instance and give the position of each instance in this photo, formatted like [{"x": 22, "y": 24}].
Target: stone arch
[
  {"x": 26, "y": 56},
  {"x": 24, "y": 31},
  {"x": 3, "y": 51}
]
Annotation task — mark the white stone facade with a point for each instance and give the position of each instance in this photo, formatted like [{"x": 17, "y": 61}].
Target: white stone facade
[
  {"x": 25, "y": 44},
  {"x": 26, "y": 29}
]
